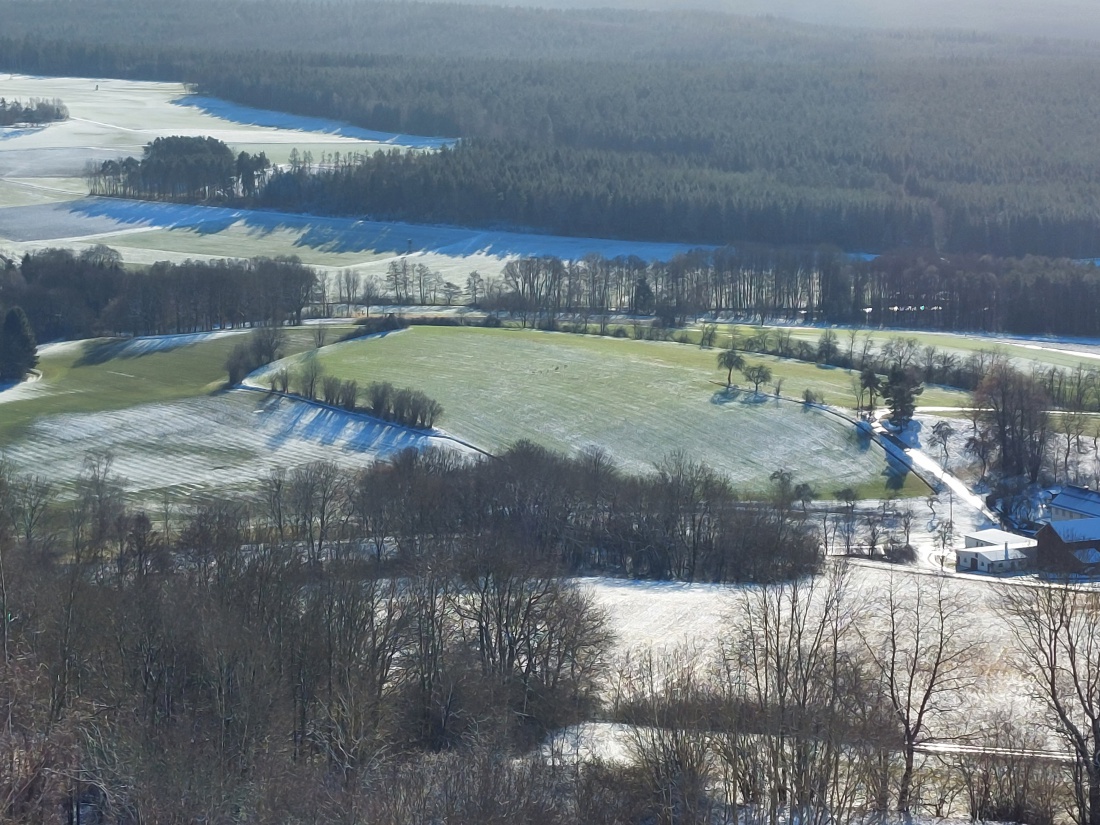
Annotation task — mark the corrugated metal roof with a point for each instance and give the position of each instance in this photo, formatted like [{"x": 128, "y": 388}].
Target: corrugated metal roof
[
  {"x": 1079, "y": 500},
  {"x": 1078, "y": 529}
]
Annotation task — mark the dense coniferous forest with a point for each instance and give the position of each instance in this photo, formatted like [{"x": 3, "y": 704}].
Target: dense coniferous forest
[
  {"x": 69, "y": 296},
  {"x": 695, "y": 127}
]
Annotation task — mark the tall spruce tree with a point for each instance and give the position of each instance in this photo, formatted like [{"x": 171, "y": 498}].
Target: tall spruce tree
[
  {"x": 901, "y": 391},
  {"x": 17, "y": 346}
]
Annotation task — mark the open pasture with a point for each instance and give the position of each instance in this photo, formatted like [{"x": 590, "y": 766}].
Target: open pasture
[
  {"x": 638, "y": 400},
  {"x": 141, "y": 230},
  {"x": 159, "y": 407}
]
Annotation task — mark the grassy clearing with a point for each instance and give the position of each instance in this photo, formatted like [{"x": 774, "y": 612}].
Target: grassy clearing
[
  {"x": 104, "y": 375},
  {"x": 31, "y": 192},
  {"x": 121, "y": 114},
  {"x": 158, "y": 405},
  {"x": 638, "y": 400},
  {"x": 837, "y": 386}
]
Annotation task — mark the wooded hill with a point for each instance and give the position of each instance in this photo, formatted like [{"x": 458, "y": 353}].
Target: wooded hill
[{"x": 688, "y": 127}]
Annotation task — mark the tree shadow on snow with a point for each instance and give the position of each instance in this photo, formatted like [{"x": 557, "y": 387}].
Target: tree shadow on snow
[
  {"x": 300, "y": 420},
  {"x": 737, "y": 395},
  {"x": 113, "y": 349}
]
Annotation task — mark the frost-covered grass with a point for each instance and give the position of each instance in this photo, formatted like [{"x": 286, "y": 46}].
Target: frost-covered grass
[
  {"x": 121, "y": 116},
  {"x": 105, "y": 375},
  {"x": 209, "y": 230},
  {"x": 206, "y": 444},
  {"x": 159, "y": 407},
  {"x": 638, "y": 400}
]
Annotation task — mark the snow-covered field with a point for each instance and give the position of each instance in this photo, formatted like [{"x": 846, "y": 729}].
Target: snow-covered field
[
  {"x": 151, "y": 229},
  {"x": 110, "y": 118},
  {"x": 638, "y": 400},
  {"x": 206, "y": 444},
  {"x": 43, "y": 203}
]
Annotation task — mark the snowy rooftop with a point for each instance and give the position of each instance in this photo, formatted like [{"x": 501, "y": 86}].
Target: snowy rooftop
[
  {"x": 999, "y": 538},
  {"x": 1089, "y": 555},
  {"x": 1078, "y": 499},
  {"x": 1074, "y": 530}
]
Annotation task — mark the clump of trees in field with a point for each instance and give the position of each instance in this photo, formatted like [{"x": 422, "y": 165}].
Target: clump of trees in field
[
  {"x": 18, "y": 348},
  {"x": 264, "y": 345},
  {"x": 34, "y": 113},
  {"x": 404, "y": 406},
  {"x": 408, "y": 407},
  {"x": 181, "y": 168}
]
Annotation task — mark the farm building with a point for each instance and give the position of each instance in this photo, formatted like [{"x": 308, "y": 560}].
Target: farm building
[
  {"x": 1075, "y": 503},
  {"x": 1070, "y": 546},
  {"x": 995, "y": 551}
]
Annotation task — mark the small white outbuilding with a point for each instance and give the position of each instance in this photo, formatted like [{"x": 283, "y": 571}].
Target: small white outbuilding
[{"x": 995, "y": 551}]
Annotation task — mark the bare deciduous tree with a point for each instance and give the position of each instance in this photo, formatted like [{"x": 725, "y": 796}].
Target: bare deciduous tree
[
  {"x": 920, "y": 643},
  {"x": 1057, "y": 633}
]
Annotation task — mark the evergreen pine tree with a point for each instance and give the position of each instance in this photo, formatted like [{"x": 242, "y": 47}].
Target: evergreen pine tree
[{"x": 17, "y": 346}]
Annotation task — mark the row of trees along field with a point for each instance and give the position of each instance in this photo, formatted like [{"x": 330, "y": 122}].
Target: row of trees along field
[
  {"x": 392, "y": 645},
  {"x": 34, "y": 113},
  {"x": 723, "y": 132},
  {"x": 907, "y": 289},
  {"x": 69, "y": 295},
  {"x": 80, "y": 295},
  {"x": 1024, "y": 424}
]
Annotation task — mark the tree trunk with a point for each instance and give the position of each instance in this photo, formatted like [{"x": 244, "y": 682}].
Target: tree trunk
[{"x": 907, "y": 781}]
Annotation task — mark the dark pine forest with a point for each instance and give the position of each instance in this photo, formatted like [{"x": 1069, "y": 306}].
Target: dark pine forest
[{"x": 684, "y": 126}]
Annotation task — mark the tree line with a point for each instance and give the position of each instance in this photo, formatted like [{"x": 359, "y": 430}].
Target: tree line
[
  {"x": 908, "y": 289},
  {"x": 405, "y": 406},
  {"x": 69, "y": 295},
  {"x": 34, "y": 113}
]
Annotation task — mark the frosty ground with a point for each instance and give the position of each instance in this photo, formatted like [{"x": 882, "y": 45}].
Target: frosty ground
[{"x": 44, "y": 203}]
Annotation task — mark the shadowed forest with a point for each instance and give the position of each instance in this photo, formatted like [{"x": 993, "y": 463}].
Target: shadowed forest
[{"x": 689, "y": 127}]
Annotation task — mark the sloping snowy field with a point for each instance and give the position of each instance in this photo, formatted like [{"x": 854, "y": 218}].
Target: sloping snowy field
[
  {"x": 202, "y": 445},
  {"x": 86, "y": 217}
]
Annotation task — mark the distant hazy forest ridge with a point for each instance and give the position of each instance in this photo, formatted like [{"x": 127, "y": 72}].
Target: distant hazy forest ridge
[{"x": 698, "y": 127}]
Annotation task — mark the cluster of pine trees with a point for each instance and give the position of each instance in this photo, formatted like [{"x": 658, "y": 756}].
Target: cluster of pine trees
[
  {"x": 181, "y": 168},
  {"x": 17, "y": 346}
]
